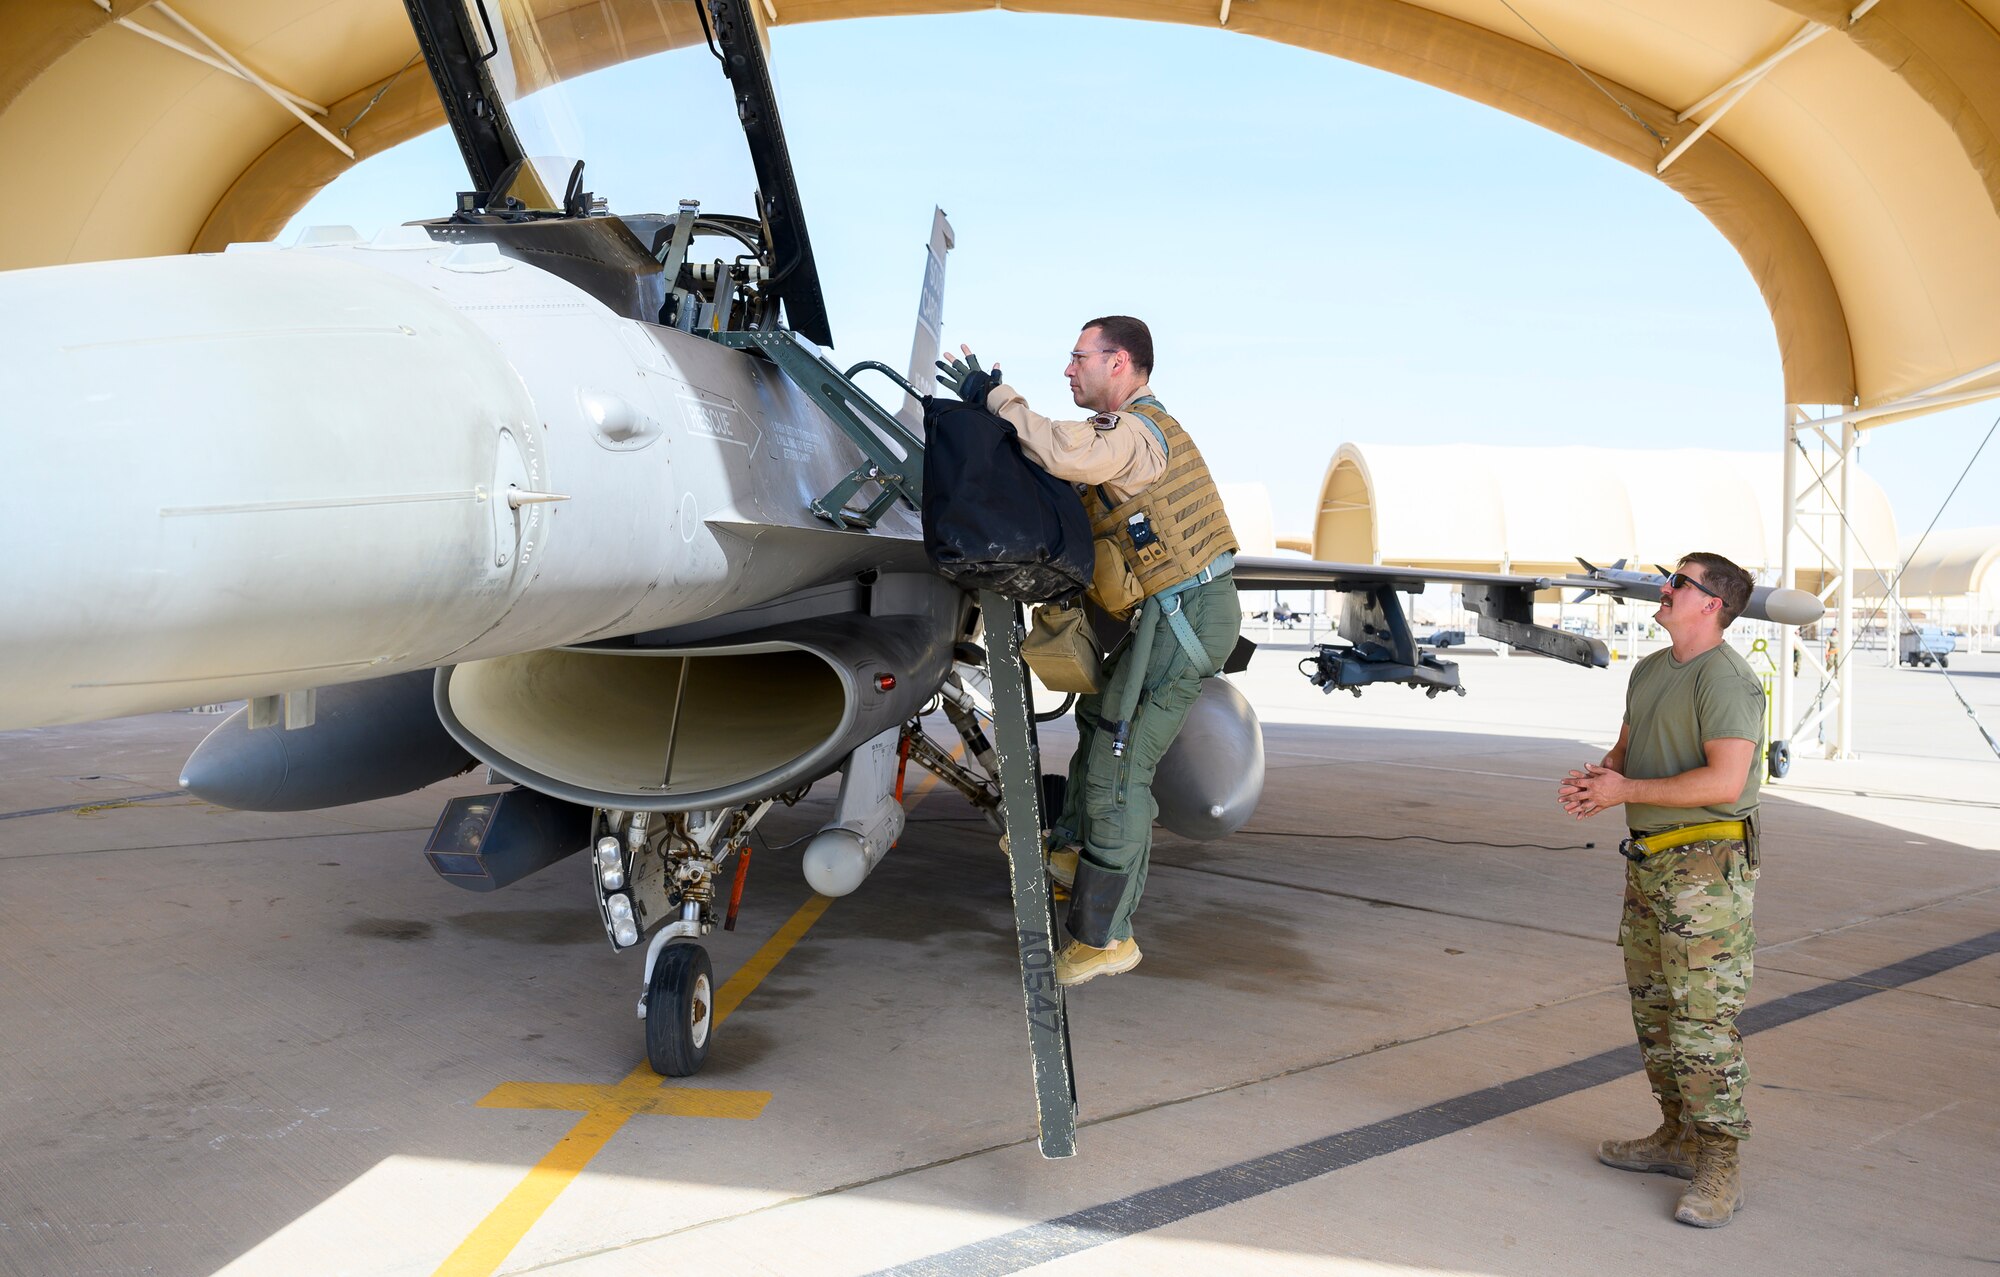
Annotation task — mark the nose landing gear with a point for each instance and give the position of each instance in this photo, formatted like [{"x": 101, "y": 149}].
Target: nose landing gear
[{"x": 662, "y": 868}]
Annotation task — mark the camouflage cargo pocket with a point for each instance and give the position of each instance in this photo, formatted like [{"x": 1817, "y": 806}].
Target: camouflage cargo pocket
[{"x": 1719, "y": 966}]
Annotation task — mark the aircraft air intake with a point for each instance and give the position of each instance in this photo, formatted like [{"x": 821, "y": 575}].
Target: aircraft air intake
[{"x": 693, "y": 727}]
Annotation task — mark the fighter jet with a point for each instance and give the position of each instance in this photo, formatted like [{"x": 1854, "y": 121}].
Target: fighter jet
[{"x": 571, "y": 494}]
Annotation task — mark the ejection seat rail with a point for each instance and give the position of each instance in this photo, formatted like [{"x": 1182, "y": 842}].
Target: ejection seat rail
[{"x": 877, "y": 433}]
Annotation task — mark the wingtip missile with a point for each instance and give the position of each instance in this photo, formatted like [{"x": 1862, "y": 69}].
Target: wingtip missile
[
  {"x": 1767, "y": 602},
  {"x": 1793, "y": 607}
]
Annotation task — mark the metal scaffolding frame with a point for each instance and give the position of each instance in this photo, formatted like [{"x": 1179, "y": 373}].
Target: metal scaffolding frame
[
  {"x": 1816, "y": 513},
  {"x": 302, "y": 108},
  {"x": 1731, "y": 91}
]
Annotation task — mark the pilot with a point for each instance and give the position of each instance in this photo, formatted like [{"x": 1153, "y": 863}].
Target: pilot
[
  {"x": 1164, "y": 555},
  {"x": 1685, "y": 770}
]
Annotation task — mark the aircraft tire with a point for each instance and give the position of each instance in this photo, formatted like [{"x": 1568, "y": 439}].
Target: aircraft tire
[
  {"x": 1778, "y": 759},
  {"x": 680, "y": 1011}
]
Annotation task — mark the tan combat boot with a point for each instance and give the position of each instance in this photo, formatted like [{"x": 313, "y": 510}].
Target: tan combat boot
[
  {"x": 1062, "y": 865},
  {"x": 1667, "y": 1151},
  {"x": 1079, "y": 962},
  {"x": 1717, "y": 1192}
]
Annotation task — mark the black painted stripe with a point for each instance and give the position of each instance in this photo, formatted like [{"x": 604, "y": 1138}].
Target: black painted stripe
[
  {"x": 1170, "y": 1203},
  {"x": 115, "y": 801}
]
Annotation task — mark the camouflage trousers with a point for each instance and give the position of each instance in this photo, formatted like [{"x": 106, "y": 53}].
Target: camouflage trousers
[{"x": 1689, "y": 948}]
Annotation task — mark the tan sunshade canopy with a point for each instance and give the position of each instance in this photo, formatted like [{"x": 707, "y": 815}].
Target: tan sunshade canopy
[
  {"x": 1482, "y": 508},
  {"x": 1953, "y": 563},
  {"x": 1859, "y": 177}
]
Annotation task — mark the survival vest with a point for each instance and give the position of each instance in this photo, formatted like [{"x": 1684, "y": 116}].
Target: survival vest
[{"x": 1182, "y": 512}]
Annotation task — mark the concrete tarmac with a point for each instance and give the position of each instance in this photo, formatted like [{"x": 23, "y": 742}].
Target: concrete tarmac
[{"x": 1380, "y": 1030}]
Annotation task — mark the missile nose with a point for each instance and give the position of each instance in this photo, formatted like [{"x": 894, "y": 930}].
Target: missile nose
[{"x": 1794, "y": 607}]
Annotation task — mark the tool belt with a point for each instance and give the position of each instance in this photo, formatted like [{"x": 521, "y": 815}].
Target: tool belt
[{"x": 1638, "y": 847}]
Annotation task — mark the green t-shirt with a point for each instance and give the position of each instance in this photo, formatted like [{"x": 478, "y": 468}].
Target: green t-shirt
[{"x": 1673, "y": 710}]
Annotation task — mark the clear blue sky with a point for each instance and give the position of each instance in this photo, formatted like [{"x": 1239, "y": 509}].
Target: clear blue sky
[{"x": 1325, "y": 252}]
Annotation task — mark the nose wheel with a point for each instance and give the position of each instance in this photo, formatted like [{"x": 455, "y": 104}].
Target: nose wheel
[{"x": 680, "y": 1011}]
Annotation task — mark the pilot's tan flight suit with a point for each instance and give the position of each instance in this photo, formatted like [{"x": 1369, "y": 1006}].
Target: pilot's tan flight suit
[
  {"x": 1119, "y": 460},
  {"x": 1125, "y": 461}
]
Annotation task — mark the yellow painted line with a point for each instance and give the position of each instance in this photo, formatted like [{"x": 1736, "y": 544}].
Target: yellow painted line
[
  {"x": 629, "y": 1098},
  {"x": 738, "y": 987},
  {"x": 605, "y": 1110},
  {"x": 481, "y": 1254}
]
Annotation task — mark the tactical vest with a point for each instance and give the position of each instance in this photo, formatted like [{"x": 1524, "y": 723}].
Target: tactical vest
[{"x": 1183, "y": 509}]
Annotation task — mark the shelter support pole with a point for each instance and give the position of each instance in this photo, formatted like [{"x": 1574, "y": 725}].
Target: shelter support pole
[
  {"x": 1787, "y": 636},
  {"x": 1850, "y": 446}
]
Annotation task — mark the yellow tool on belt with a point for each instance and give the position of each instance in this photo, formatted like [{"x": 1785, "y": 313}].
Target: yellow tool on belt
[{"x": 1636, "y": 849}]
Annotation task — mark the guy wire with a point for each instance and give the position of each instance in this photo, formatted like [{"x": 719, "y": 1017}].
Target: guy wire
[{"x": 1587, "y": 75}]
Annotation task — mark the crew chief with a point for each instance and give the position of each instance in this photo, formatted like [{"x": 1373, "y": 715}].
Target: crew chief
[
  {"x": 1685, "y": 770},
  {"x": 1165, "y": 555}
]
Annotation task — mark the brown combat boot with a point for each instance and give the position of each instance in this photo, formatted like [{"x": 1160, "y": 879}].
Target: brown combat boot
[
  {"x": 1667, "y": 1151},
  {"x": 1717, "y": 1192}
]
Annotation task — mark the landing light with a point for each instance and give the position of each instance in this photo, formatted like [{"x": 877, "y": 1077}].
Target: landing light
[
  {"x": 610, "y": 867},
  {"x": 624, "y": 928}
]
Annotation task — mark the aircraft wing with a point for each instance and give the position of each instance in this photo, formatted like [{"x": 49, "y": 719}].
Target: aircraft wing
[
  {"x": 1382, "y": 648},
  {"x": 1277, "y": 572}
]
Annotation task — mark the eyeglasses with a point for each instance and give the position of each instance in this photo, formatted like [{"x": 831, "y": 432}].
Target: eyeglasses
[
  {"x": 1681, "y": 580},
  {"x": 1078, "y": 356}
]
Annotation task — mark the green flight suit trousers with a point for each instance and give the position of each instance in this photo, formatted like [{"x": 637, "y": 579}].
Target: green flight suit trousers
[{"x": 1108, "y": 807}]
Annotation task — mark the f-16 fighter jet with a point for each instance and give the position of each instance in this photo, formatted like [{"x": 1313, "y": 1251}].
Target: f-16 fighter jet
[{"x": 572, "y": 494}]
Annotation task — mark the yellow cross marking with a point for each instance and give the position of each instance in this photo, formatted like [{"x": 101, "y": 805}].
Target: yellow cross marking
[
  {"x": 606, "y": 1109},
  {"x": 640, "y": 1092}
]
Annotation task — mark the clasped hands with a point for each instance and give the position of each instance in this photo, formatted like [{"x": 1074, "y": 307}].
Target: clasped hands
[{"x": 1585, "y": 793}]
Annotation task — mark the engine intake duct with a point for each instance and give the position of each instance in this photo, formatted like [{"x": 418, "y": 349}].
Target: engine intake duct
[{"x": 698, "y": 726}]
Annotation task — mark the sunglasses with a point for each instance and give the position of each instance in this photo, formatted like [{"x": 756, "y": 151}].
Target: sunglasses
[{"x": 1681, "y": 580}]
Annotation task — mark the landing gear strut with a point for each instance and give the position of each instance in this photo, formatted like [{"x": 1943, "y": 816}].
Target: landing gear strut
[{"x": 662, "y": 868}]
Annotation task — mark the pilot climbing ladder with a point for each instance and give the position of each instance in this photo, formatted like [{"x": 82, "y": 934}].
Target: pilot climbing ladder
[{"x": 893, "y": 464}]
